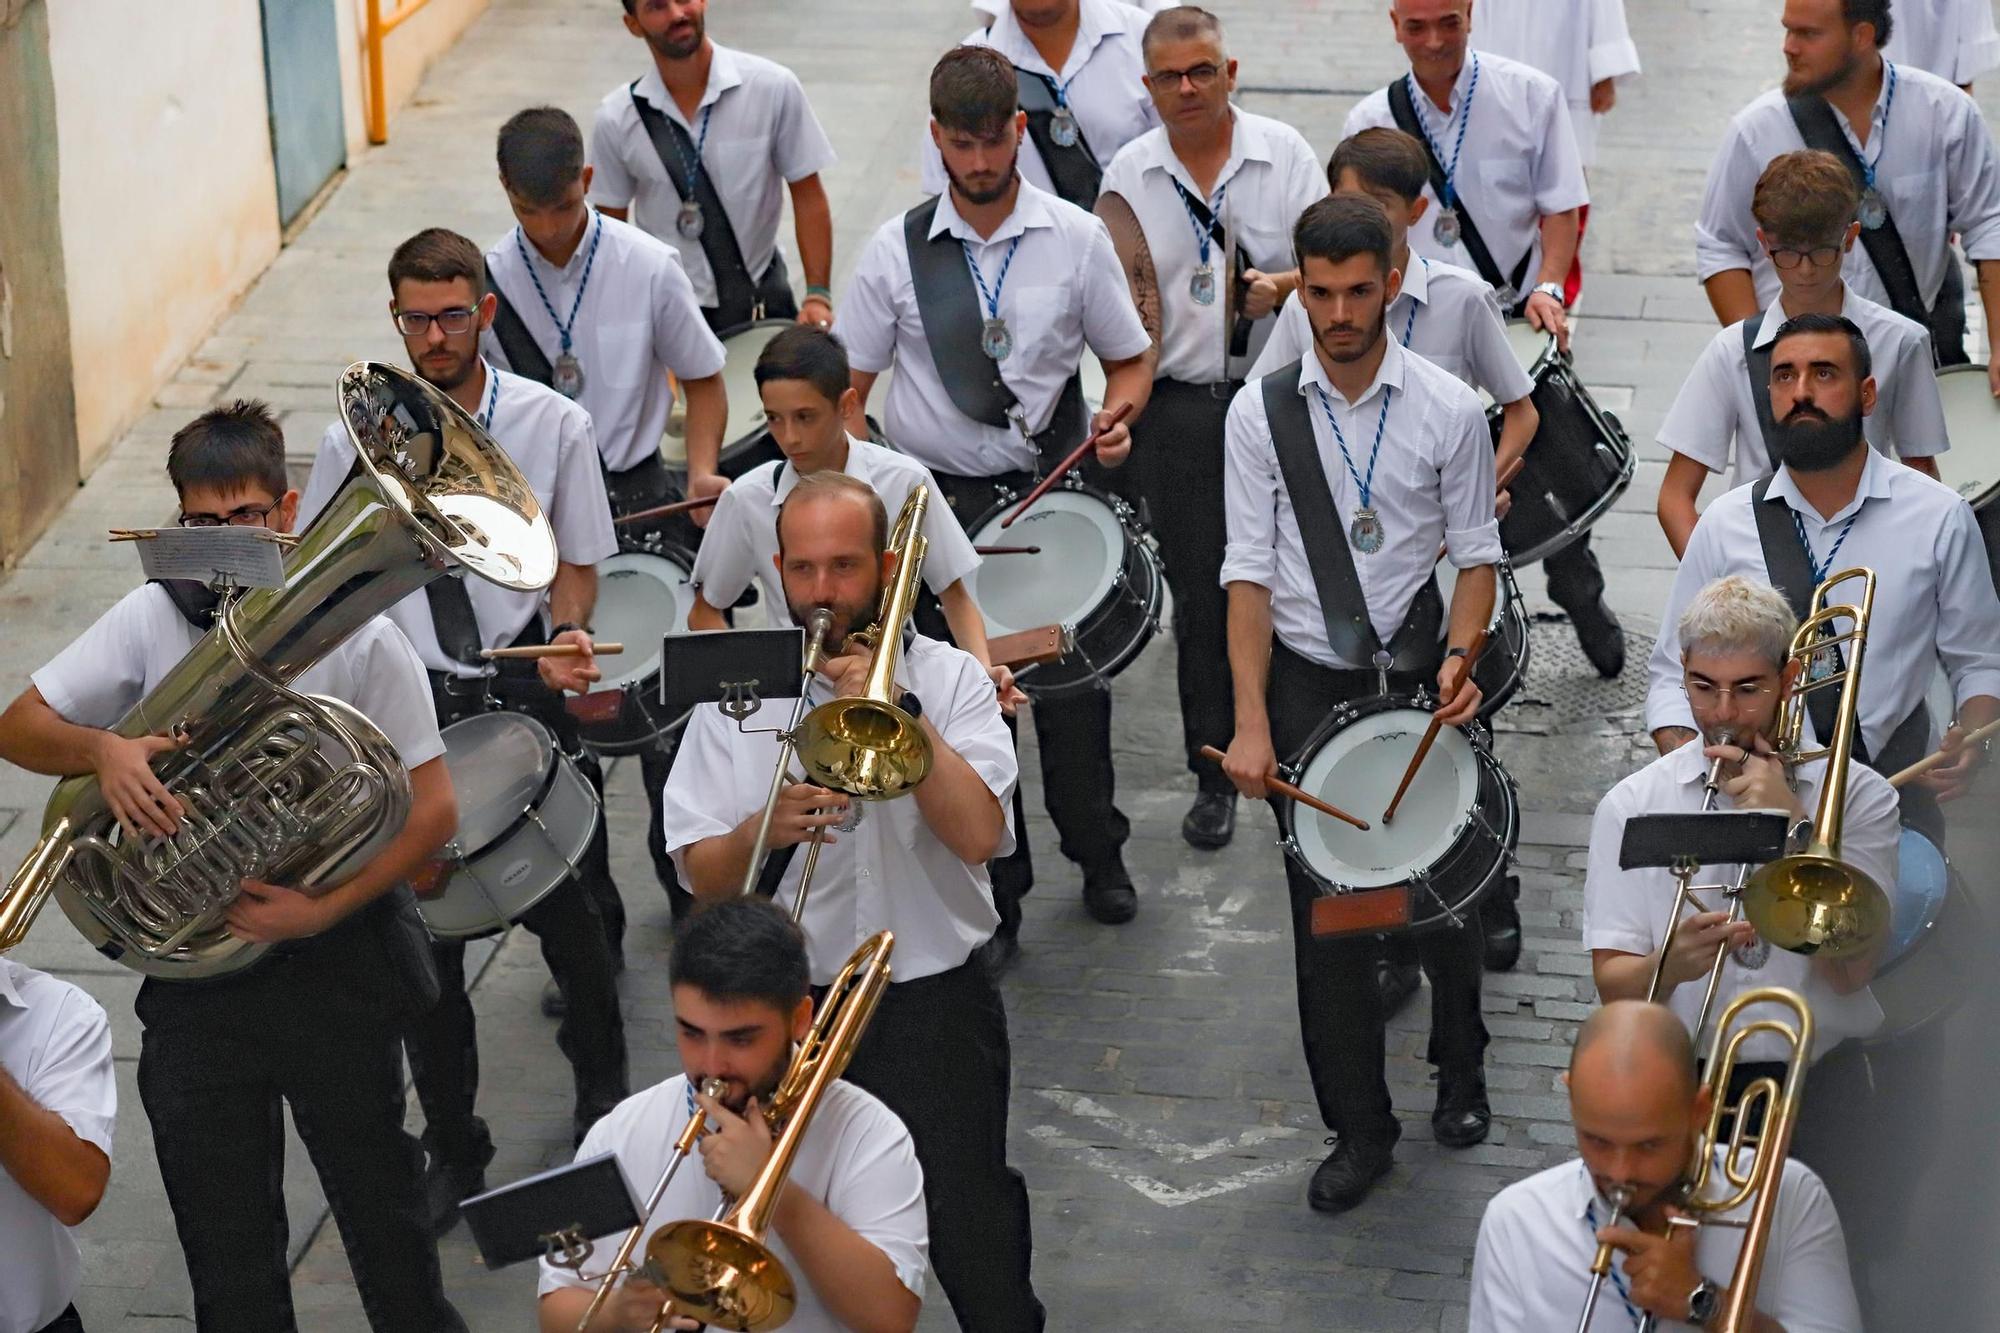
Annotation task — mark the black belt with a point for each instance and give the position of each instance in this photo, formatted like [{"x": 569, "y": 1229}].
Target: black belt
[{"x": 1223, "y": 389}]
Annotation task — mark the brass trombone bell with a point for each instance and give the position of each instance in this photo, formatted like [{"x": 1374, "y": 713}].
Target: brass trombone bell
[{"x": 1814, "y": 903}]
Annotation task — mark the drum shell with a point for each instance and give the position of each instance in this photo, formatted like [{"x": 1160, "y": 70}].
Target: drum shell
[
  {"x": 1503, "y": 663},
  {"x": 641, "y": 721},
  {"x": 1578, "y": 465},
  {"x": 1928, "y": 980},
  {"x": 1972, "y": 465},
  {"x": 746, "y": 442}
]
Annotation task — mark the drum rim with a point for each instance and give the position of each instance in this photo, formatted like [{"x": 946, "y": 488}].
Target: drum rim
[
  {"x": 462, "y": 865},
  {"x": 1070, "y": 488},
  {"x": 555, "y": 758},
  {"x": 1988, "y": 493},
  {"x": 1154, "y": 597},
  {"x": 1448, "y": 740},
  {"x": 734, "y": 445},
  {"x": 632, "y": 560}
]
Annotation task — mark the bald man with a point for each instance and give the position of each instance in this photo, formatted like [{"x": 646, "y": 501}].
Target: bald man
[{"x": 1638, "y": 1108}]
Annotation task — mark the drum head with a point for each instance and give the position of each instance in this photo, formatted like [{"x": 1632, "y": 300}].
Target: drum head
[
  {"x": 1083, "y": 548},
  {"x": 1922, "y": 881},
  {"x": 641, "y": 598},
  {"x": 1972, "y": 422},
  {"x": 1091, "y": 371},
  {"x": 740, "y": 350},
  {"x": 1357, "y": 769},
  {"x": 1533, "y": 348},
  {"x": 499, "y": 765}
]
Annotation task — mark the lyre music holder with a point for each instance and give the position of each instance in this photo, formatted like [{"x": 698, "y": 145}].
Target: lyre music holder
[
  {"x": 553, "y": 1215},
  {"x": 1685, "y": 842},
  {"x": 737, "y": 669}
]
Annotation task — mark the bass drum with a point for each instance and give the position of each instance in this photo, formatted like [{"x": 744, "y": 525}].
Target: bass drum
[
  {"x": 745, "y": 441},
  {"x": 1503, "y": 664},
  {"x": 1938, "y": 942},
  {"x": 642, "y": 597},
  {"x": 1972, "y": 465},
  {"x": 1454, "y": 833},
  {"x": 1578, "y": 465}
]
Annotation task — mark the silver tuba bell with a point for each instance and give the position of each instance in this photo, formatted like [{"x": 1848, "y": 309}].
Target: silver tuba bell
[{"x": 277, "y": 785}]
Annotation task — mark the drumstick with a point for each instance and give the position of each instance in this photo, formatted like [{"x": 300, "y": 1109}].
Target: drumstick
[
  {"x": 551, "y": 650},
  {"x": 1299, "y": 794},
  {"x": 1118, "y": 414},
  {"x": 1006, "y": 550},
  {"x": 1431, "y": 732},
  {"x": 668, "y": 511},
  {"x": 1936, "y": 757}
]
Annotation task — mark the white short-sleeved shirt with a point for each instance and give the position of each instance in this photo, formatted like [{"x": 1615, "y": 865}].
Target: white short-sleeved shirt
[
  {"x": 1065, "y": 293},
  {"x": 1934, "y": 598},
  {"x": 1104, "y": 81},
  {"x": 549, "y": 439},
  {"x": 1531, "y": 1268},
  {"x": 1519, "y": 164},
  {"x": 1433, "y": 484},
  {"x": 856, "y": 1159},
  {"x": 1717, "y": 405},
  {"x": 115, "y": 663},
  {"x": 1445, "y": 314},
  {"x": 1575, "y": 42},
  {"x": 55, "y": 1043},
  {"x": 761, "y": 136},
  {"x": 1935, "y": 167},
  {"x": 891, "y": 872},
  {"x": 1631, "y": 911},
  {"x": 742, "y": 536},
  {"x": 1271, "y": 177},
  {"x": 638, "y": 320},
  {"x": 1953, "y": 39}
]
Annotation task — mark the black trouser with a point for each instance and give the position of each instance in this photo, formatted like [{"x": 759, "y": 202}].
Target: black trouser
[
  {"x": 1177, "y": 462},
  {"x": 936, "y": 1053},
  {"x": 774, "y": 292},
  {"x": 317, "y": 1029},
  {"x": 1073, "y": 734},
  {"x": 1340, "y": 1003},
  {"x": 1575, "y": 580},
  {"x": 577, "y": 937},
  {"x": 69, "y": 1321}
]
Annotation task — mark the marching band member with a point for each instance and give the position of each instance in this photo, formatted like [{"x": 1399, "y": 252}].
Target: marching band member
[
  {"x": 1640, "y": 1112},
  {"x": 440, "y": 305},
  {"x": 1953, "y": 39},
  {"x": 1804, "y": 206},
  {"x": 1584, "y": 45},
  {"x": 1082, "y": 87},
  {"x": 1835, "y": 503},
  {"x": 1918, "y": 147},
  {"x": 850, "y": 1224},
  {"x": 1212, "y": 176},
  {"x": 1016, "y": 285},
  {"x": 317, "y": 1026},
  {"x": 1512, "y": 212},
  {"x": 648, "y": 147},
  {"x": 936, "y": 1052},
  {"x": 58, "y": 1108},
  {"x": 1303, "y": 447}
]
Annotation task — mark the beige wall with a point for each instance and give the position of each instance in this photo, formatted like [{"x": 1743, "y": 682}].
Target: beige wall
[{"x": 408, "y": 54}]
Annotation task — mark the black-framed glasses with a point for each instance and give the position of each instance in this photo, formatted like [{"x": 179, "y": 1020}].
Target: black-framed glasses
[
  {"x": 243, "y": 516},
  {"x": 1202, "y": 76},
  {"x": 1788, "y": 257},
  {"x": 416, "y": 323}
]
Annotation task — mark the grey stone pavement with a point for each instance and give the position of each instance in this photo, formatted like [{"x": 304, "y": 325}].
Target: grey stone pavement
[{"x": 1161, "y": 1109}]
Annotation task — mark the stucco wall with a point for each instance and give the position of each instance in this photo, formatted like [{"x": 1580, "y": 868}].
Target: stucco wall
[{"x": 408, "y": 53}]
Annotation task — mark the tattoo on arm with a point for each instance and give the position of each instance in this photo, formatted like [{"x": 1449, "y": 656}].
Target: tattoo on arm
[{"x": 1129, "y": 239}]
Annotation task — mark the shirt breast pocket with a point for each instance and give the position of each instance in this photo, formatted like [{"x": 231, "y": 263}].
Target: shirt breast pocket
[
  {"x": 1042, "y": 320},
  {"x": 1505, "y": 177}
]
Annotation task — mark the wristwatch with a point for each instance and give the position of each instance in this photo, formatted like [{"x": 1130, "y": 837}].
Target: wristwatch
[
  {"x": 1798, "y": 837},
  {"x": 1457, "y": 652},
  {"x": 909, "y": 703},
  {"x": 1704, "y": 1302},
  {"x": 1553, "y": 289}
]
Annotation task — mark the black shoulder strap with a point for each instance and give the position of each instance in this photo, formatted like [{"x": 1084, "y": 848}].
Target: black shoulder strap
[
  {"x": 735, "y": 290},
  {"x": 1791, "y": 574},
  {"x": 948, "y": 304},
  {"x": 1757, "y": 365},
  {"x": 1074, "y": 171},
  {"x": 1884, "y": 244},
  {"x": 1404, "y": 112},
  {"x": 525, "y": 356},
  {"x": 776, "y": 863},
  {"x": 195, "y": 600},
  {"x": 1239, "y": 333}
]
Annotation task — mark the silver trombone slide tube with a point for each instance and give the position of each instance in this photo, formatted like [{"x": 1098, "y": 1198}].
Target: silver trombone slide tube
[
  {"x": 1683, "y": 887},
  {"x": 1600, "y": 1267},
  {"x": 818, "y": 628}
]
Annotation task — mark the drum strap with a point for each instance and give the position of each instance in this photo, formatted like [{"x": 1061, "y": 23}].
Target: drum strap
[
  {"x": 1416, "y": 646},
  {"x": 525, "y": 356},
  {"x": 195, "y": 600},
  {"x": 948, "y": 305},
  {"x": 1073, "y": 171},
  {"x": 1757, "y": 364},
  {"x": 1239, "y": 332},
  {"x": 1404, "y": 111},
  {"x": 1884, "y": 244},
  {"x": 453, "y": 619}
]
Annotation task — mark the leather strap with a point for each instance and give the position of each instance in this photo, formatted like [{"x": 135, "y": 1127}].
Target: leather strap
[
  {"x": 195, "y": 600},
  {"x": 1884, "y": 244},
  {"x": 1074, "y": 171},
  {"x": 1791, "y": 574},
  {"x": 453, "y": 619},
  {"x": 1239, "y": 332},
  {"x": 948, "y": 305},
  {"x": 525, "y": 356},
  {"x": 1757, "y": 364},
  {"x": 1404, "y": 112}
]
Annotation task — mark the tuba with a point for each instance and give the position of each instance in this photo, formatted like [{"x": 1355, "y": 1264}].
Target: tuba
[{"x": 277, "y": 785}]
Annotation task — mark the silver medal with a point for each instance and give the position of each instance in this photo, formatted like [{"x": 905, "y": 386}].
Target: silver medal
[
  {"x": 1062, "y": 128},
  {"x": 1365, "y": 532},
  {"x": 688, "y": 222},
  {"x": 1445, "y": 229},
  {"x": 1202, "y": 285},
  {"x": 995, "y": 339},
  {"x": 567, "y": 378},
  {"x": 1751, "y": 957},
  {"x": 1873, "y": 212}
]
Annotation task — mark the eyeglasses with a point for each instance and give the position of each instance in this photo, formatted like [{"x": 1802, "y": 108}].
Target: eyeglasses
[
  {"x": 245, "y": 516},
  {"x": 416, "y": 323},
  {"x": 1202, "y": 76},
  {"x": 1707, "y": 693},
  {"x": 1786, "y": 257}
]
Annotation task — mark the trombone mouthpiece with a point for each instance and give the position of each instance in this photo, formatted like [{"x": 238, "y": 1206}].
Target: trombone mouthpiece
[{"x": 820, "y": 624}]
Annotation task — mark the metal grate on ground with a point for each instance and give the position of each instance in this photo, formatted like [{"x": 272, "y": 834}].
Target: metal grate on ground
[{"x": 1564, "y": 693}]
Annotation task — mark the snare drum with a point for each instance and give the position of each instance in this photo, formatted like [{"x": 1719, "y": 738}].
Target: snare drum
[
  {"x": 745, "y": 440},
  {"x": 1096, "y": 575},
  {"x": 1503, "y": 664},
  {"x": 1937, "y": 939},
  {"x": 1579, "y": 463},
  {"x": 1454, "y": 832},
  {"x": 525, "y": 819},
  {"x": 642, "y": 596},
  {"x": 1972, "y": 465}
]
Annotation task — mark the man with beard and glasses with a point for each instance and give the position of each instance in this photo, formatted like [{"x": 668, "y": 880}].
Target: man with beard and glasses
[
  {"x": 1081, "y": 84},
  {"x": 985, "y": 300},
  {"x": 850, "y": 1224},
  {"x": 1804, "y": 206},
  {"x": 1344, "y": 473},
  {"x": 936, "y": 1052},
  {"x": 1639, "y": 1111},
  {"x": 1917, "y": 149},
  {"x": 440, "y": 304},
  {"x": 720, "y": 210},
  {"x": 1836, "y": 503}
]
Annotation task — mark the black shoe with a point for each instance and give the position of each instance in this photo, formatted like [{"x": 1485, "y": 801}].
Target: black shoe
[
  {"x": 1348, "y": 1174},
  {"x": 1462, "y": 1116},
  {"x": 1500, "y": 919},
  {"x": 447, "y": 1184},
  {"x": 1000, "y": 952},
  {"x": 1108, "y": 895},
  {"x": 554, "y": 1003},
  {"x": 1211, "y": 820},
  {"x": 1603, "y": 639},
  {"x": 1398, "y": 981}
]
